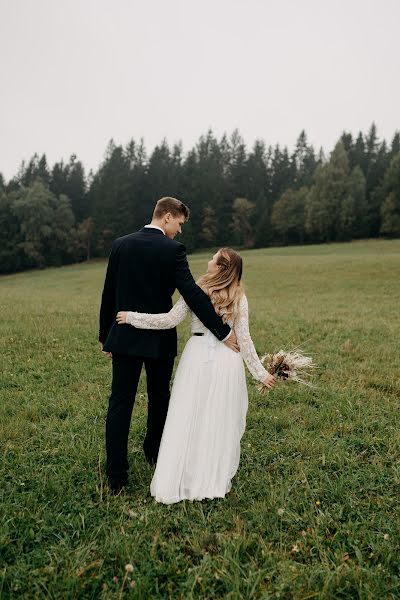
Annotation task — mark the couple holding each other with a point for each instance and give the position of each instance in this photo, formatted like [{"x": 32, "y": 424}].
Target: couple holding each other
[{"x": 193, "y": 434}]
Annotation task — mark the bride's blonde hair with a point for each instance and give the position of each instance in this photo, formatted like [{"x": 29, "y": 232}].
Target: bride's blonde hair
[{"x": 224, "y": 287}]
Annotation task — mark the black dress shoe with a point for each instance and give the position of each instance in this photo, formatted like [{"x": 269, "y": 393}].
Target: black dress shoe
[{"x": 116, "y": 487}]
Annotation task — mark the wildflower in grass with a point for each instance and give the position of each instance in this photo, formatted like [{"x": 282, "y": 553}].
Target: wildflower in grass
[
  {"x": 386, "y": 536},
  {"x": 128, "y": 569},
  {"x": 285, "y": 366},
  {"x": 280, "y": 511},
  {"x": 295, "y": 549},
  {"x": 318, "y": 503},
  {"x": 132, "y": 583}
]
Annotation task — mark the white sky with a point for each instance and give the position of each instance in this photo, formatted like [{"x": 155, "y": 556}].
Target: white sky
[{"x": 75, "y": 73}]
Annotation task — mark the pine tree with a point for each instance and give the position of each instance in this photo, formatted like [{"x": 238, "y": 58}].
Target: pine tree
[
  {"x": 35, "y": 169},
  {"x": 11, "y": 259},
  {"x": 58, "y": 179},
  {"x": 258, "y": 177},
  {"x": 76, "y": 188},
  {"x": 136, "y": 156},
  {"x": 237, "y": 171},
  {"x": 357, "y": 190},
  {"x": 348, "y": 144},
  {"x": 395, "y": 145},
  {"x": 358, "y": 156},
  {"x": 159, "y": 172},
  {"x": 43, "y": 172},
  {"x": 283, "y": 172},
  {"x": 304, "y": 162},
  {"x": 390, "y": 194},
  {"x": 111, "y": 198},
  {"x": 390, "y": 214},
  {"x": 203, "y": 183}
]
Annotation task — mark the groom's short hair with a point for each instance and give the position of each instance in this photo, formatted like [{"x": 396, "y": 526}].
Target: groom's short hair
[{"x": 170, "y": 205}]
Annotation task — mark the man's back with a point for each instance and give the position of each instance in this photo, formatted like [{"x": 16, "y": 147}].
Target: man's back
[{"x": 140, "y": 277}]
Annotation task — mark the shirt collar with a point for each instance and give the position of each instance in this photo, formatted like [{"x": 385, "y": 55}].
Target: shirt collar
[{"x": 155, "y": 227}]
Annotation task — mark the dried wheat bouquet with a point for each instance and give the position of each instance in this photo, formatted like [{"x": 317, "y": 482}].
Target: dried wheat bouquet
[{"x": 286, "y": 366}]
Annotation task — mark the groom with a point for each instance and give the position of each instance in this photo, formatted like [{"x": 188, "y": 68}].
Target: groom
[{"x": 144, "y": 269}]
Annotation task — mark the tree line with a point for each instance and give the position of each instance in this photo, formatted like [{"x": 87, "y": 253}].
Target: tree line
[{"x": 246, "y": 198}]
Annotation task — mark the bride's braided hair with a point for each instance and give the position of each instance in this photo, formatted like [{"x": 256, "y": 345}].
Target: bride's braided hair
[{"x": 224, "y": 287}]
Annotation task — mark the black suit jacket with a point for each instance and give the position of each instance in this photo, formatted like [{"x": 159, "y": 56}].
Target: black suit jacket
[{"x": 144, "y": 269}]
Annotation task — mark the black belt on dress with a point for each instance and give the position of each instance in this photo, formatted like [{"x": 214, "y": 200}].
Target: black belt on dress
[{"x": 197, "y": 333}]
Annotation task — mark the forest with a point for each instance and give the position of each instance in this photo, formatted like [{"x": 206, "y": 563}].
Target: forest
[{"x": 246, "y": 198}]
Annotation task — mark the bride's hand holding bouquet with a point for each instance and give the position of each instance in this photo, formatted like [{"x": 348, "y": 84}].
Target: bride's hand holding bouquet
[{"x": 286, "y": 366}]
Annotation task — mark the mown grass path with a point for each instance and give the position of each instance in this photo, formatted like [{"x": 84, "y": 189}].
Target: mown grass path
[{"x": 314, "y": 510}]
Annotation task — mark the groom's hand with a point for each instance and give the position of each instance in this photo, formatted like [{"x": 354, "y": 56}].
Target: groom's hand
[
  {"x": 232, "y": 342},
  {"x": 108, "y": 354}
]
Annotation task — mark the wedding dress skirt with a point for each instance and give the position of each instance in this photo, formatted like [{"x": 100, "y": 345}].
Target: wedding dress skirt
[{"x": 200, "y": 447}]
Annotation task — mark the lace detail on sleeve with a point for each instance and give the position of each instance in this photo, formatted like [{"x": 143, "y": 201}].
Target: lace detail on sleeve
[
  {"x": 167, "y": 320},
  {"x": 247, "y": 350}
]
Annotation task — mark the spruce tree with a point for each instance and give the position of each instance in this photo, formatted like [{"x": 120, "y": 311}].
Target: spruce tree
[
  {"x": 11, "y": 258},
  {"x": 390, "y": 214},
  {"x": 389, "y": 193},
  {"x": 75, "y": 188}
]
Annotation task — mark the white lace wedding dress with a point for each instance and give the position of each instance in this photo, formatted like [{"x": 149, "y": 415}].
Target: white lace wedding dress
[{"x": 200, "y": 447}]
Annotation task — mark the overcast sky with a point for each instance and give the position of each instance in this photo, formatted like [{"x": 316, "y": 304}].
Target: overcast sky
[{"x": 75, "y": 73}]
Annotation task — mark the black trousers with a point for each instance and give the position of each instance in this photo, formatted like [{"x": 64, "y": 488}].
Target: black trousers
[{"x": 125, "y": 378}]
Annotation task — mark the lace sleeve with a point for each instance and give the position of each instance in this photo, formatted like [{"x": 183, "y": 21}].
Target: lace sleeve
[
  {"x": 247, "y": 350},
  {"x": 161, "y": 320}
]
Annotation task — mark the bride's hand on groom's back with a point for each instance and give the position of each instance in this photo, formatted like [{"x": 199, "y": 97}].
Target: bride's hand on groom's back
[{"x": 121, "y": 317}]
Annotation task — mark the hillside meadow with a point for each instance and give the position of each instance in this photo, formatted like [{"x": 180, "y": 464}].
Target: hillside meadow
[{"x": 314, "y": 509}]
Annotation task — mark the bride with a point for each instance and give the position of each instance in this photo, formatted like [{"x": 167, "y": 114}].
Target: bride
[{"x": 200, "y": 447}]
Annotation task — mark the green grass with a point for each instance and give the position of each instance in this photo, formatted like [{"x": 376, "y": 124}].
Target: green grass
[{"x": 314, "y": 510}]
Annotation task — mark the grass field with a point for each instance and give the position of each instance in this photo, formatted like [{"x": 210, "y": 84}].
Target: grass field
[{"x": 314, "y": 510}]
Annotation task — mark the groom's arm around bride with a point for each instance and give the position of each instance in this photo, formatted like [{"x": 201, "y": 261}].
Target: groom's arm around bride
[{"x": 144, "y": 269}]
